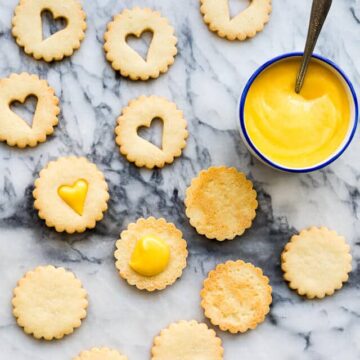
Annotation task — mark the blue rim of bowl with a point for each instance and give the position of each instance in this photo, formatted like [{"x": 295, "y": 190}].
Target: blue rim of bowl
[{"x": 242, "y": 120}]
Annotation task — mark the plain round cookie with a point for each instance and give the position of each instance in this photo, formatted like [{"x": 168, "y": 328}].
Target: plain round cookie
[
  {"x": 167, "y": 232},
  {"x": 140, "y": 112},
  {"x": 123, "y": 58},
  {"x": 66, "y": 171},
  {"x": 221, "y": 203},
  {"x": 316, "y": 262},
  {"x": 236, "y": 296},
  {"x": 245, "y": 25},
  {"x": 49, "y": 302},
  {"x": 187, "y": 340},
  {"x": 13, "y": 129},
  {"x": 27, "y": 28},
  {"x": 103, "y": 353}
]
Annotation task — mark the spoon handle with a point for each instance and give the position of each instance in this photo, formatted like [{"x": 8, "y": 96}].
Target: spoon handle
[{"x": 319, "y": 11}]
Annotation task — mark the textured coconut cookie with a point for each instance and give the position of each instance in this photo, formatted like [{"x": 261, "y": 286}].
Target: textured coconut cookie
[
  {"x": 136, "y": 21},
  {"x": 316, "y": 262},
  {"x": 27, "y": 28},
  {"x": 221, "y": 203},
  {"x": 187, "y": 340},
  {"x": 13, "y": 129},
  {"x": 141, "y": 112},
  {"x": 244, "y": 25},
  {"x": 236, "y": 296},
  {"x": 71, "y": 194},
  {"x": 151, "y": 254},
  {"x": 49, "y": 302},
  {"x": 100, "y": 354}
]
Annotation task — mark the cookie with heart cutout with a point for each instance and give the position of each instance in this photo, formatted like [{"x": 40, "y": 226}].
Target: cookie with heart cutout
[
  {"x": 141, "y": 112},
  {"x": 123, "y": 58},
  {"x": 28, "y": 28},
  {"x": 244, "y": 25},
  {"x": 13, "y": 129},
  {"x": 71, "y": 194}
]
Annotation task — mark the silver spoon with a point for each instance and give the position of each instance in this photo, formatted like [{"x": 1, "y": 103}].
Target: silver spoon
[{"x": 319, "y": 11}]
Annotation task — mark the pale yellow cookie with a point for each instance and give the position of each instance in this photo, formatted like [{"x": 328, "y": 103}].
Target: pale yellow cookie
[
  {"x": 236, "y": 296},
  {"x": 141, "y": 112},
  {"x": 168, "y": 233},
  {"x": 244, "y": 25},
  {"x": 27, "y": 28},
  {"x": 100, "y": 354},
  {"x": 221, "y": 203},
  {"x": 187, "y": 340},
  {"x": 71, "y": 194},
  {"x": 162, "y": 50},
  {"x": 14, "y": 130},
  {"x": 49, "y": 302},
  {"x": 316, "y": 262}
]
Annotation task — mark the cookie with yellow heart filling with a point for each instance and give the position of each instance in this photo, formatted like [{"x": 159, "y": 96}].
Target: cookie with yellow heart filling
[{"x": 71, "y": 194}]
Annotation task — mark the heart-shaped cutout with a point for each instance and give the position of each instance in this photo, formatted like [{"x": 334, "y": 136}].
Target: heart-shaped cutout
[
  {"x": 25, "y": 110},
  {"x": 50, "y": 24},
  {"x": 140, "y": 43},
  {"x": 75, "y": 195},
  {"x": 236, "y": 7},
  {"x": 153, "y": 133}
]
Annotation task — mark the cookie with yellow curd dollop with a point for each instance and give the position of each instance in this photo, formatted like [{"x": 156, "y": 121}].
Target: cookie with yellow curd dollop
[
  {"x": 151, "y": 254},
  {"x": 221, "y": 203},
  {"x": 71, "y": 194}
]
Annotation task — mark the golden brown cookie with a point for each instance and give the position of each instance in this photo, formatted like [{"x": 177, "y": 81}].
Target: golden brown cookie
[
  {"x": 71, "y": 194},
  {"x": 221, "y": 203},
  {"x": 316, "y": 262},
  {"x": 141, "y": 112},
  {"x": 49, "y": 302},
  {"x": 187, "y": 340},
  {"x": 14, "y": 130},
  {"x": 162, "y": 50},
  {"x": 236, "y": 296},
  {"x": 244, "y": 25},
  {"x": 27, "y": 28},
  {"x": 100, "y": 354},
  {"x": 126, "y": 245}
]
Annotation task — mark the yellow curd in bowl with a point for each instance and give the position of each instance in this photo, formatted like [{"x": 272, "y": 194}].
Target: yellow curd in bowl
[{"x": 297, "y": 130}]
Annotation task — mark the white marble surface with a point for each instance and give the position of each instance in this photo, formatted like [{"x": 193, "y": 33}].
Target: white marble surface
[{"x": 205, "y": 82}]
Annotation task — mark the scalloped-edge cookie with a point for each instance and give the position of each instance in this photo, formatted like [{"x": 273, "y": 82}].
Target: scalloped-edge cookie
[
  {"x": 71, "y": 194},
  {"x": 221, "y": 203},
  {"x": 187, "y": 340},
  {"x": 123, "y": 58},
  {"x": 316, "y": 262},
  {"x": 49, "y": 302},
  {"x": 245, "y": 25},
  {"x": 236, "y": 296},
  {"x": 165, "y": 231},
  {"x": 13, "y": 129},
  {"x": 102, "y": 353},
  {"x": 27, "y": 28},
  {"x": 141, "y": 112}
]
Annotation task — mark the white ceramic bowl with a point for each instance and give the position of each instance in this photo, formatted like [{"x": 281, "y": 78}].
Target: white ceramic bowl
[{"x": 354, "y": 111}]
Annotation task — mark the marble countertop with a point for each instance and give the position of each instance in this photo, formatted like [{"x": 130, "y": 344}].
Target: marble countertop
[{"x": 205, "y": 82}]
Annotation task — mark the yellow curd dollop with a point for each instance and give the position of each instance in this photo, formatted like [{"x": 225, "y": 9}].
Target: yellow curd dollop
[
  {"x": 150, "y": 257},
  {"x": 297, "y": 130}
]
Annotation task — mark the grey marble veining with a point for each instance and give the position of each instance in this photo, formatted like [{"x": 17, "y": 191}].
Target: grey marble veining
[{"x": 205, "y": 82}]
